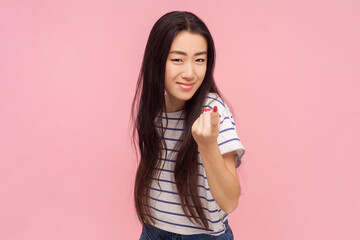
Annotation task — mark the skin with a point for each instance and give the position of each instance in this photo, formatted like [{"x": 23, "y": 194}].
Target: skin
[
  {"x": 220, "y": 169},
  {"x": 189, "y": 67}
]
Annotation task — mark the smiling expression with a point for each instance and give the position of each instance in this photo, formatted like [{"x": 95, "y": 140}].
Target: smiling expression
[{"x": 185, "y": 69}]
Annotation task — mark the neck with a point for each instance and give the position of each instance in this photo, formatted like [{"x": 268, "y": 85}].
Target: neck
[{"x": 173, "y": 105}]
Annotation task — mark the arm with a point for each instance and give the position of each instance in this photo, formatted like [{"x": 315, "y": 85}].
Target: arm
[
  {"x": 220, "y": 169},
  {"x": 222, "y": 177}
]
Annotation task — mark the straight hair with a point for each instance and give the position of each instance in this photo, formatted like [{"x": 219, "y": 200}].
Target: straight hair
[{"x": 149, "y": 103}]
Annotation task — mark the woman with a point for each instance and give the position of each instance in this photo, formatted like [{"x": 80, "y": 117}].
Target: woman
[{"x": 186, "y": 183}]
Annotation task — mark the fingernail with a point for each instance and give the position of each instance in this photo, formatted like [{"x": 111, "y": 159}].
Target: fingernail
[
  {"x": 215, "y": 108},
  {"x": 206, "y": 109}
]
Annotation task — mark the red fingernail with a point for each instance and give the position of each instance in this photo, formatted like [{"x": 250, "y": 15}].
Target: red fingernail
[
  {"x": 215, "y": 108},
  {"x": 206, "y": 109}
]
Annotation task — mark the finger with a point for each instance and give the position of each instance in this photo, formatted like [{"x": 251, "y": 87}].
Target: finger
[
  {"x": 195, "y": 124},
  {"x": 215, "y": 119},
  {"x": 207, "y": 122},
  {"x": 201, "y": 122}
]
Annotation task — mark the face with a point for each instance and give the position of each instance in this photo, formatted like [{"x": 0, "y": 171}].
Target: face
[{"x": 185, "y": 69}]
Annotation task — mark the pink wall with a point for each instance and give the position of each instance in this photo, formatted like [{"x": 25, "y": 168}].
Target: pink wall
[{"x": 290, "y": 69}]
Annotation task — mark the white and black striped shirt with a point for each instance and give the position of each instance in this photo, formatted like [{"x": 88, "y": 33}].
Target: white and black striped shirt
[{"x": 164, "y": 201}]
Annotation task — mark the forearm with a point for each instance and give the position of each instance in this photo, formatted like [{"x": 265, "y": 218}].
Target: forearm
[{"x": 224, "y": 186}]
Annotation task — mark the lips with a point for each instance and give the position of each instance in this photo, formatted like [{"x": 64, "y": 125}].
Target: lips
[{"x": 185, "y": 86}]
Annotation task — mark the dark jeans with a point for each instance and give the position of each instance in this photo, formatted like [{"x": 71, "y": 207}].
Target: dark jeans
[{"x": 152, "y": 233}]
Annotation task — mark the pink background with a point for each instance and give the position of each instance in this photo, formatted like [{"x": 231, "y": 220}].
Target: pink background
[{"x": 290, "y": 69}]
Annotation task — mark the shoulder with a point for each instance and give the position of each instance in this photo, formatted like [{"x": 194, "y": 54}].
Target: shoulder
[{"x": 213, "y": 99}]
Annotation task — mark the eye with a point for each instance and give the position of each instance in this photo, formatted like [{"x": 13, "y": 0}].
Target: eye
[
  {"x": 201, "y": 60},
  {"x": 176, "y": 60}
]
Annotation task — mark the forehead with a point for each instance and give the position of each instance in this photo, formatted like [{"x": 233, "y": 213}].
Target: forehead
[{"x": 189, "y": 42}]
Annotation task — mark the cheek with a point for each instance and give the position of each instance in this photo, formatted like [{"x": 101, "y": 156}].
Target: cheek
[
  {"x": 166, "y": 71},
  {"x": 167, "y": 75},
  {"x": 201, "y": 76},
  {"x": 169, "y": 72},
  {"x": 201, "y": 72}
]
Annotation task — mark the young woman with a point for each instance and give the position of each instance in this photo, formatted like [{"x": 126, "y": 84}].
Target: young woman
[{"x": 186, "y": 183}]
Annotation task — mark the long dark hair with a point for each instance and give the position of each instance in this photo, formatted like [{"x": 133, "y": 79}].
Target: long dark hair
[{"x": 149, "y": 103}]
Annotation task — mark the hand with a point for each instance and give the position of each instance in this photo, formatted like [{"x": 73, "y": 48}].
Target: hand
[{"x": 205, "y": 129}]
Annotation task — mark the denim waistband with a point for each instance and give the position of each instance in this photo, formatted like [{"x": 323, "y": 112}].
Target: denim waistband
[{"x": 154, "y": 233}]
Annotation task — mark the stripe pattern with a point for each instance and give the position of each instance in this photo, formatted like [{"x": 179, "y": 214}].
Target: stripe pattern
[{"x": 164, "y": 199}]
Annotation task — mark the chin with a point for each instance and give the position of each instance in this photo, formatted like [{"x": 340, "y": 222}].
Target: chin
[{"x": 187, "y": 96}]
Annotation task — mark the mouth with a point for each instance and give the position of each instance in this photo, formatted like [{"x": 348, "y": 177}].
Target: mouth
[{"x": 186, "y": 86}]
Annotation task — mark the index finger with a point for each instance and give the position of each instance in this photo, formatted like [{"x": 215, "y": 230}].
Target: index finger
[{"x": 215, "y": 119}]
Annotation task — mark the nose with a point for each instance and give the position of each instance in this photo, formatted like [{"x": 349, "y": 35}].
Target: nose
[{"x": 188, "y": 72}]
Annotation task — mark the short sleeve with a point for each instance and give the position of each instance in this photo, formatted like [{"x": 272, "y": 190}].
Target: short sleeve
[{"x": 228, "y": 139}]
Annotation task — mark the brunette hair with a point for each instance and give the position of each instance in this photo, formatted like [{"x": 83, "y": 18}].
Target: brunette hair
[{"x": 149, "y": 103}]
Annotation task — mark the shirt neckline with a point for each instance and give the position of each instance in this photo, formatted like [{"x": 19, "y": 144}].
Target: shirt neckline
[{"x": 173, "y": 114}]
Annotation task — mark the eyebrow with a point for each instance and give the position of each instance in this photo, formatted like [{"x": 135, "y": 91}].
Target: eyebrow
[{"x": 184, "y": 53}]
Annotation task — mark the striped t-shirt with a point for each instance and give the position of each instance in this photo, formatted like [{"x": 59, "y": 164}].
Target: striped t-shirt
[{"x": 164, "y": 202}]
